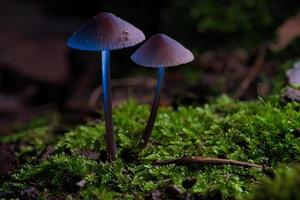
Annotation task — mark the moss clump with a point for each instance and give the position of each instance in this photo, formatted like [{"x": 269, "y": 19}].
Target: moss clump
[
  {"x": 285, "y": 185},
  {"x": 60, "y": 172},
  {"x": 261, "y": 132},
  {"x": 34, "y": 137}
]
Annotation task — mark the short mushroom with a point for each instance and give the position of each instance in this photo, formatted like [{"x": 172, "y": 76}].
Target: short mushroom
[
  {"x": 106, "y": 32},
  {"x": 160, "y": 51}
]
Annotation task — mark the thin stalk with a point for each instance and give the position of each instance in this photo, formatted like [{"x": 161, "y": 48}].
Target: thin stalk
[
  {"x": 155, "y": 104},
  {"x": 110, "y": 136}
]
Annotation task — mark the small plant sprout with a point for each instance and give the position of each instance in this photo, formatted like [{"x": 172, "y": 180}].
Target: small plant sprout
[
  {"x": 160, "y": 51},
  {"x": 106, "y": 32}
]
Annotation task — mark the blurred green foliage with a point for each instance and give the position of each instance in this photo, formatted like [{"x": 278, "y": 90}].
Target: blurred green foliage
[
  {"x": 285, "y": 186},
  {"x": 231, "y": 22}
]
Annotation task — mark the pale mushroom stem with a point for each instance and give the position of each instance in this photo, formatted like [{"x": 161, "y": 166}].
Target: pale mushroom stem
[
  {"x": 155, "y": 104},
  {"x": 110, "y": 136}
]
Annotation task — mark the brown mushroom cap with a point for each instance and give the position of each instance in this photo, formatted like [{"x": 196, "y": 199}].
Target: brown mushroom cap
[
  {"x": 106, "y": 32},
  {"x": 162, "y": 51}
]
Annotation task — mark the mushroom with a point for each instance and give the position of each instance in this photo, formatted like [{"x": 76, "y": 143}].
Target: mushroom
[
  {"x": 160, "y": 51},
  {"x": 106, "y": 32}
]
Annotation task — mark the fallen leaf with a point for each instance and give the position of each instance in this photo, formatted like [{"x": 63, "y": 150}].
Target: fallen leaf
[
  {"x": 47, "y": 153},
  {"x": 81, "y": 183}
]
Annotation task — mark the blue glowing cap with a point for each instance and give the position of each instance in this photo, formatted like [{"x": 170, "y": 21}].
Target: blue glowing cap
[
  {"x": 105, "y": 31},
  {"x": 162, "y": 51}
]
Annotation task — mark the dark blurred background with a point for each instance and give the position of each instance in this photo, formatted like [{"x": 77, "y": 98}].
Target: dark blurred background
[{"x": 241, "y": 49}]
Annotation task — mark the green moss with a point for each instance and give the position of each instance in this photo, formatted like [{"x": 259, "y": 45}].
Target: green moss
[
  {"x": 60, "y": 171},
  {"x": 33, "y": 137},
  {"x": 259, "y": 132},
  {"x": 285, "y": 186},
  {"x": 84, "y": 137},
  {"x": 98, "y": 193}
]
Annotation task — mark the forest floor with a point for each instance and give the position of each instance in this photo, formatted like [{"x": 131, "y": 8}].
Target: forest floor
[{"x": 50, "y": 160}]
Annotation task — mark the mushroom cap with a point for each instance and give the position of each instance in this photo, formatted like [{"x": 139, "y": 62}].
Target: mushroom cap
[
  {"x": 105, "y": 31},
  {"x": 162, "y": 51}
]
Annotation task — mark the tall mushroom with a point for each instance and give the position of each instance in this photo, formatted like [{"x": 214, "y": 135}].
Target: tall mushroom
[
  {"x": 160, "y": 51},
  {"x": 106, "y": 32}
]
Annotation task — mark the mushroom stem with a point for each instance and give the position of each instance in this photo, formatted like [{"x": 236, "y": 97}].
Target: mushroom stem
[
  {"x": 110, "y": 136},
  {"x": 155, "y": 104}
]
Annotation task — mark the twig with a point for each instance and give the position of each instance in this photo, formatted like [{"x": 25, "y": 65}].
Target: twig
[
  {"x": 253, "y": 72},
  {"x": 204, "y": 161}
]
